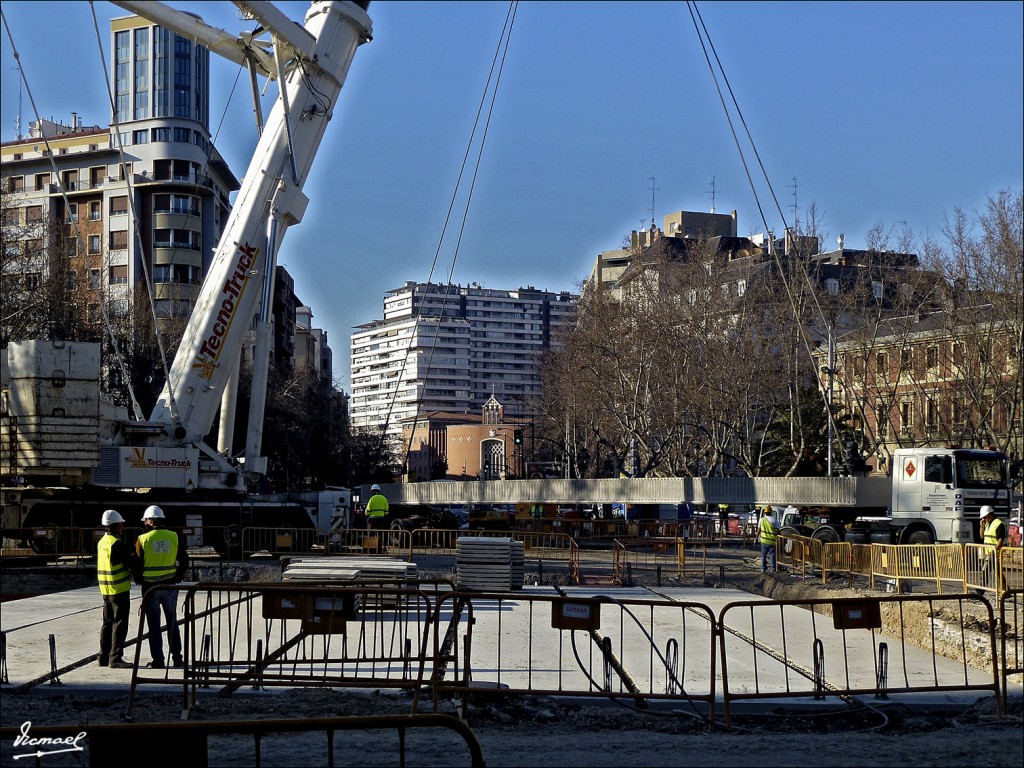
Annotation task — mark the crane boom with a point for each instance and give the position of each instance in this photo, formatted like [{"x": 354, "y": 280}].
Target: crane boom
[{"x": 271, "y": 189}]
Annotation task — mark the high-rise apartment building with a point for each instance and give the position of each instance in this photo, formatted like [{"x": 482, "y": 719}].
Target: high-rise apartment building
[
  {"x": 451, "y": 348},
  {"x": 149, "y": 194}
]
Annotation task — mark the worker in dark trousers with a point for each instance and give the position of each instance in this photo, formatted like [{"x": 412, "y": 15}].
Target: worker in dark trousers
[
  {"x": 376, "y": 514},
  {"x": 162, "y": 560},
  {"x": 114, "y": 563}
]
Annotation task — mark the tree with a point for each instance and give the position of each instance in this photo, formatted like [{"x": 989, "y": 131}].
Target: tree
[{"x": 42, "y": 279}]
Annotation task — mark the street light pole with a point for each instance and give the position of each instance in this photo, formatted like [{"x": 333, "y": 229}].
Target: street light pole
[{"x": 831, "y": 381}]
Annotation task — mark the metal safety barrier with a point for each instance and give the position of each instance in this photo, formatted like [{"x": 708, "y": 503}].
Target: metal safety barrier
[
  {"x": 599, "y": 647},
  {"x": 1011, "y": 637},
  {"x": 798, "y": 553},
  {"x": 851, "y": 646},
  {"x": 837, "y": 557},
  {"x": 536, "y": 544},
  {"x": 267, "y": 635},
  {"x": 662, "y": 556},
  {"x": 49, "y": 541},
  {"x": 933, "y": 563},
  {"x": 991, "y": 571},
  {"x": 281, "y": 541}
]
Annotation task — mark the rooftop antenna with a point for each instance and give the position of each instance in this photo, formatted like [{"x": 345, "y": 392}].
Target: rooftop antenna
[
  {"x": 794, "y": 187},
  {"x": 653, "y": 190},
  {"x": 17, "y": 118},
  {"x": 711, "y": 194}
]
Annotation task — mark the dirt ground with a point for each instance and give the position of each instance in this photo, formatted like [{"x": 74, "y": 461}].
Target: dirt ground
[{"x": 549, "y": 732}]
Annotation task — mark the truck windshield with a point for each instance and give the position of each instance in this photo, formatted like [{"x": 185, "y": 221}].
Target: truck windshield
[{"x": 979, "y": 473}]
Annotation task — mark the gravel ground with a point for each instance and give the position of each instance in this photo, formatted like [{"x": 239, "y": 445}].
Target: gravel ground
[{"x": 547, "y": 732}]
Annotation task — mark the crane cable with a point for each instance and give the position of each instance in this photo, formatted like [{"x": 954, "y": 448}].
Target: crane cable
[
  {"x": 695, "y": 16},
  {"x": 493, "y": 76},
  {"x": 150, "y": 291},
  {"x": 79, "y": 240}
]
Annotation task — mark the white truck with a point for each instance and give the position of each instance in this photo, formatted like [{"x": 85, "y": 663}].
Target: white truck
[
  {"x": 65, "y": 452},
  {"x": 936, "y": 496}
]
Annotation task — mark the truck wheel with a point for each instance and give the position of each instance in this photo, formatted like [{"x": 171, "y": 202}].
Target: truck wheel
[
  {"x": 787, "y": 546},
  {"x": 826, "y": 535},
  {"x": 394, "y": 536},
  {"x": 229, "y": 544},
  {"x": 920, "y": 537}
]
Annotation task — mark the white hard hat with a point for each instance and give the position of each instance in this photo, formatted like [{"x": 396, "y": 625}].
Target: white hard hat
[
  {"x": 987, "y": 510},
  {"x": 374, "y": 487},
  {"x": 111, "y": 517},
  {"x": 153, "y": 512}
]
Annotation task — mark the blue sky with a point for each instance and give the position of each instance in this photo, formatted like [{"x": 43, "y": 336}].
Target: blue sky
[{"x": 882, "y": 112}]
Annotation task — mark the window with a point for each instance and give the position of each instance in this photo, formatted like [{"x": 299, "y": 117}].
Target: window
[
  {"x": 72, "y": 213},
  {"x": 832, "y": 286},
  {"x": 931, "y": 413},
  {"x": 96, "y": 176},
  {"x": 741, "y": 287},
  {"x": 959, "y": 413},
  {"x": 31, "y": 281},
  {"x": 167, "y": 203},
  {"x": 42, "y": 181},
  {"x": 882, "y": 419},
  {"x": 140, "y": 136},
  {"x": 95, "y": 211},
  {"x": 12, "y": 217},
  {"x": 118, "y": 205},
  {"x": 34, "y": 213},
  {"x": 162, "y": 134},
  {"x": 94, "y": 279},
  {"x": 931, "y": 356},
  {"x": 70, "y": 180},
  {"x": 176, "y": 238},
  {"x": 906, "y": 360},
  {"x": 119, "y": 307},
  {"x": 183, "y": 135},
  {"x": 119, "y": 274},
  {"x": 906, "y": 418},
  {"x": 876, "y": 289},
  {"x": 119, "y": 238},
  {"x": 71, "y": 246},
  {"x": 881, "y": 364},
  {"x": 938, "y": 469},
  {"x": 15, "y": 183},
  {"x": 94, "y": 244},
  {"x": 958, "y": 352}
]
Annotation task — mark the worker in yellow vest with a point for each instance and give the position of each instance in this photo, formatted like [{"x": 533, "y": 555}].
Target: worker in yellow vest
[
  {"x": 376, "y": 508},
  {"x": 993, "y": 531},
  {"x": 114, "y": 563},
  {"x": 768, "y": 529},
  {"x": 162, "y": 560}
]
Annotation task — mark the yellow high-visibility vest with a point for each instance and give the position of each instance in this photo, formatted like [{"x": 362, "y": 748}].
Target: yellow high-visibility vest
[
  {"x": 159, "y": 555},
  {"x": 377, "y": 506},
  {"x": 767, "y": 531},
  {"x": 992, "y": 538},
  {"x": 113, "y": 579}
]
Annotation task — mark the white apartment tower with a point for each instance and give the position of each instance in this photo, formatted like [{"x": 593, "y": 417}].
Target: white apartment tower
[{"x": 450, "y": 348}]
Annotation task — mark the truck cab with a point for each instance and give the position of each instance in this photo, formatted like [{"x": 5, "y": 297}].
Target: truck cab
[{"x": 937, "y": 492}]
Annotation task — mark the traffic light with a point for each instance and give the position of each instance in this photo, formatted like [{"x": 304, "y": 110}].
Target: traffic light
[{"x": 517, "y": 436}]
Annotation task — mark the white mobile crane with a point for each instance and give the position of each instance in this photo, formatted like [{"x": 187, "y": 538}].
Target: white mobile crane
[{"x": 55, "y": 423}]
